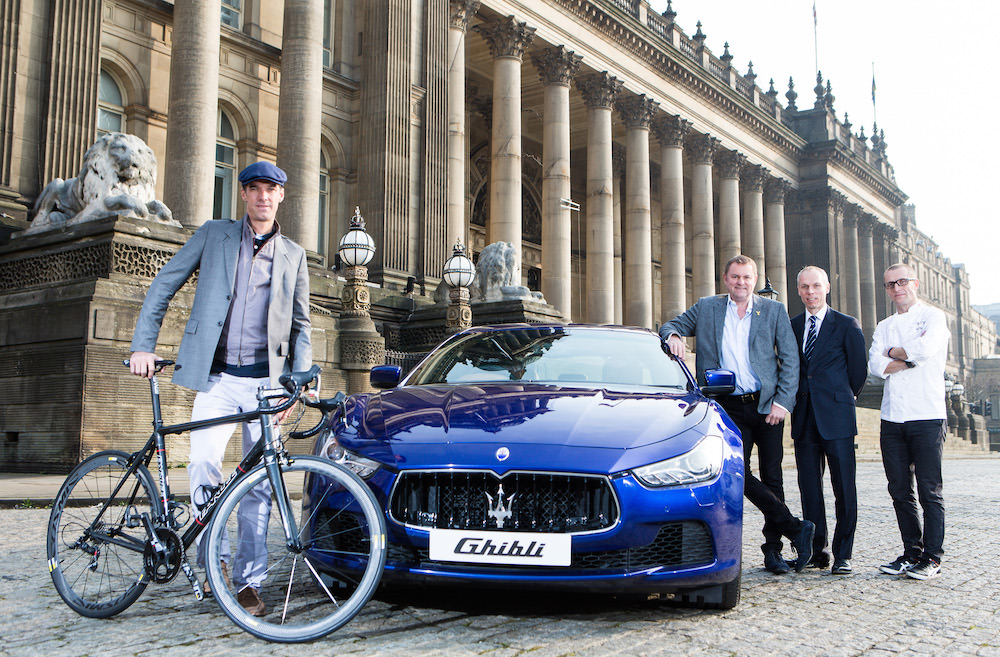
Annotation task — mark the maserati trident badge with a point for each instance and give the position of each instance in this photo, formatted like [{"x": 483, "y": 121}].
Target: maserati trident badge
[
  {"x": 501, "y": 510},
  {"x": 502, "y": 454}
]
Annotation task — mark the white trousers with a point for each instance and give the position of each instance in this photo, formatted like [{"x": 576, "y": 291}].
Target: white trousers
[{"x": 228, "y": 395}]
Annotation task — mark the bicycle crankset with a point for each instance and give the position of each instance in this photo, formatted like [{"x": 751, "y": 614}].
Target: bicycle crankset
[{"x": 163, "y": 566}]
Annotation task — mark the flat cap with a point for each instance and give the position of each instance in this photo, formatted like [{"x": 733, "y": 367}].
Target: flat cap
[{"x": 263, "y": 171}]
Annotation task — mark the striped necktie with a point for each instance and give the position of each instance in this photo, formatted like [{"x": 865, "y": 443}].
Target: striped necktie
[{"x": 810, "y": 338}]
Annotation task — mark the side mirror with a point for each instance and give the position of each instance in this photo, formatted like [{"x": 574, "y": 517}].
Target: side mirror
[
  {"x": 385, "y": 376},
  {"x": 718, "y": 382}
]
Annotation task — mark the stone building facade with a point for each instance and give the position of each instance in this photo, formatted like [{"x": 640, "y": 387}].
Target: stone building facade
[{"x": 623, "y": 158}]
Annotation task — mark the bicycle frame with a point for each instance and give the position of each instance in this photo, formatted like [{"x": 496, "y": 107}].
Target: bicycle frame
[{"x": 267, "y": 448}]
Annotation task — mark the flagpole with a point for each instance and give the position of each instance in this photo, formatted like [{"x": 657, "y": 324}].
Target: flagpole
[
  {"x": 874, "y": 109},
  {"x": 815, "y": 39}
]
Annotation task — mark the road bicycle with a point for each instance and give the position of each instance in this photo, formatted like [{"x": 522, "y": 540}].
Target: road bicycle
[{"x": 113, "y": 530}]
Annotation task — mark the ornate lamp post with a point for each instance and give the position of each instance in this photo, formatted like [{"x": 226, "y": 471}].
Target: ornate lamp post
[
  {"x": 357, "y": 248},
  {"x": 458, "y": 274},
  {"x": 361, "y": 346},
  {"x": 767, "y": 291}
]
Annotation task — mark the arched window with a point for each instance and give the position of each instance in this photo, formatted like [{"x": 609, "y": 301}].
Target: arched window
[
  {"x": 225, "y": 170},
  {"x": 110, "y": 110},
  {"x": 232, "y": 13},
  {"x": 324, "y": 203}
]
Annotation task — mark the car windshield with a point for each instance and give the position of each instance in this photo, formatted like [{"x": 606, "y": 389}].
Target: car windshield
[{"x": 553, "y": 355}]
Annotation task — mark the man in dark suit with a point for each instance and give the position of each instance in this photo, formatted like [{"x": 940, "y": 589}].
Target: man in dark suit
[
  {"x": 832, "y": 372},
  {"x": 751, "y": 336}
]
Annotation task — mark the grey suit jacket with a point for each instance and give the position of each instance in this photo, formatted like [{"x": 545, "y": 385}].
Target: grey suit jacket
[
  {"x": 213, "y": 250},
  {"x": 773, "y": 352}
]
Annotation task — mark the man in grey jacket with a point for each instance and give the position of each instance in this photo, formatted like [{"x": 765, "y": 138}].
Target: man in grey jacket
[
  {"x": 752, "y": 336},
  {"x": 249, "y": 323}
]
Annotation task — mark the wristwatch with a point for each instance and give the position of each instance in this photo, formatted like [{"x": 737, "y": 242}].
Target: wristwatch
[{"x": 910, "y": 363}]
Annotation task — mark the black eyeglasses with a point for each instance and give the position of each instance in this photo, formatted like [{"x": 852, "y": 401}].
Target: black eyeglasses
[{"x": 901, "y": 282}]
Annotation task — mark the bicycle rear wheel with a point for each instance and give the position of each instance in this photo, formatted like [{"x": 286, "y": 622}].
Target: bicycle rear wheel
[
  {"x": 95, "y": 557},
  {"x": 308, "y": 592}
]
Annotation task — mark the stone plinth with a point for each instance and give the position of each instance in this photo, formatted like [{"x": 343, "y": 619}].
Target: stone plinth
[{"x": 69, "y": 300}]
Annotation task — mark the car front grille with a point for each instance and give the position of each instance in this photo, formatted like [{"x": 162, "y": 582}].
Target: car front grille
[
  {"x": 678, "y": 545},
  {"x": 519, "y": 501}
]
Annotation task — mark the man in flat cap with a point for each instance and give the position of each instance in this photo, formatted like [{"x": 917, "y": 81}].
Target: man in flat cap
[{"x": 249, "y": 324}]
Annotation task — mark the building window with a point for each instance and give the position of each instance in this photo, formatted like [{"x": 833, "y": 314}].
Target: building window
[
  {"x": 225, "y": 170},
  {"x": 110, "y": 113},
  {"x": 324, "y": 204},
  {"x": 232, "y": 13},
  {"x": 327, "y": 34}
]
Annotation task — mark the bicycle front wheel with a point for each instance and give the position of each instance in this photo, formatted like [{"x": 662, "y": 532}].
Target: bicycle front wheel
[
  {"x": 292, "y": 593},
  {"x": 95, "y": 538}
]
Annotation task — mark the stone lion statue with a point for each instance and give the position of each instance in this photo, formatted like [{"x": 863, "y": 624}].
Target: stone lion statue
[
  {"x": 498, "y": 275},
  {"x": 118, "y": 177}
]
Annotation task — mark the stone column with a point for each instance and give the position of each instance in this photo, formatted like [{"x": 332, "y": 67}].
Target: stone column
[
  {"x": 599, "y": 92},
  {"x": 457, "y": 226},
  {"x": 617, "y": 176},
  {"x": 189, "y": 163},
  {"x": 557, "y": 66},
  {"x": 851, "y": 303},
  {"x": 507, "y": 39},
  {"x": 870, "y": 283},
  {"x": 636, "y": 113},
  {"x": 753, "y": 180},
  {"x": 703, "y": 270},
  {"x": 774, "y": 236},
  {"x": 671, "y": 132},
  {"x": 72, "y": 67},
  {"x": 728, "y": 240},
  {"x": 300, "y": 117}
]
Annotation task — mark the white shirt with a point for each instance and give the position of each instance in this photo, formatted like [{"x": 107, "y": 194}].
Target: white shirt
[
  {"x": 735, "y": 348},
  {"x": 820, "y": 316},
  {"x": 916, "y": 393}
]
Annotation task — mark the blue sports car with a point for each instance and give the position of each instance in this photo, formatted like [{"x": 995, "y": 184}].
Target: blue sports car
[{"x": 549, "y": 456}]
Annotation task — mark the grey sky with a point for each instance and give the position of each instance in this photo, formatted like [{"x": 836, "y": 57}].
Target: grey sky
[{"x": 935, "y": 95}]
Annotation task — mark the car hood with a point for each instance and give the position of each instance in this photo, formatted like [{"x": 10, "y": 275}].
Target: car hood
[{"x": 454, "y": 426}]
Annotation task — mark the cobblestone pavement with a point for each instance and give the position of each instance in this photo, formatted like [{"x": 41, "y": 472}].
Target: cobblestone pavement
[{"x": 813, "y": 613}]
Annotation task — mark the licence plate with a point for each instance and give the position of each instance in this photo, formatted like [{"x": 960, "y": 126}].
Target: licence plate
[{"x": 502, "y": 548}]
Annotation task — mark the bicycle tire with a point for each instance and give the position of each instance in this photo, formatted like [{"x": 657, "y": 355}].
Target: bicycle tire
[
  {"x": 99, "y": 574},
  {"x": 311, "y": 593}
]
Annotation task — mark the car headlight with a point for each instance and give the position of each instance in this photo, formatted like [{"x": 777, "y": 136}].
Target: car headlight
[
  {"x": 357, "y": 464},
  {"x": 702, "y": 463}
]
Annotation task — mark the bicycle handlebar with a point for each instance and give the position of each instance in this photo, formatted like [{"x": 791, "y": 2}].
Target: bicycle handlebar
[{"x": 324, "y": 405}]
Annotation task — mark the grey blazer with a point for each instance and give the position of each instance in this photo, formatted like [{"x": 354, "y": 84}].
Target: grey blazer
[
  {"x": 773, "y": 352},
  {"x": 213, "y": 250}
]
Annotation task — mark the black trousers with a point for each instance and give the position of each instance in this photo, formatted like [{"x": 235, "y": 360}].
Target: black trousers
[
  {"x": 766, "y": 493},
  {"x": 911, "y": 451},
  {"x": 812, "y": 454}
]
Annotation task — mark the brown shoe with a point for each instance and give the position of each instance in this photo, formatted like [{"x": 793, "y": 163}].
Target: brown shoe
[
  {"x": 207, "y": 588},
  {"x": 250, "y": 600}
]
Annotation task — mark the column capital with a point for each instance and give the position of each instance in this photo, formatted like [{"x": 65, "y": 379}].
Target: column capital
[
  {"x": 637, "y": 111},
  {"x": 506, "y": 37},
  {"x": 557, "y": 65},
  {"x": 866, "y": 224},
  {"x": 671, "y": 130},
  {"x": 461, "y": 12},
  {"x": 730, "y": 163},
  {"x": 702, "y": 148},
  {"x": 775, "y": 190},
  {"x": 754, "y": 176},
  {"x": 599, "y": 90},
  {"x": 852, "y": 212}
]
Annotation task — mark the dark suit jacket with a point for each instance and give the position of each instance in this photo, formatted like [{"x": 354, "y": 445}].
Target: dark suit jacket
[
  {"x": 772, "y": 347},
  {"x": 831, "y": 381}
]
